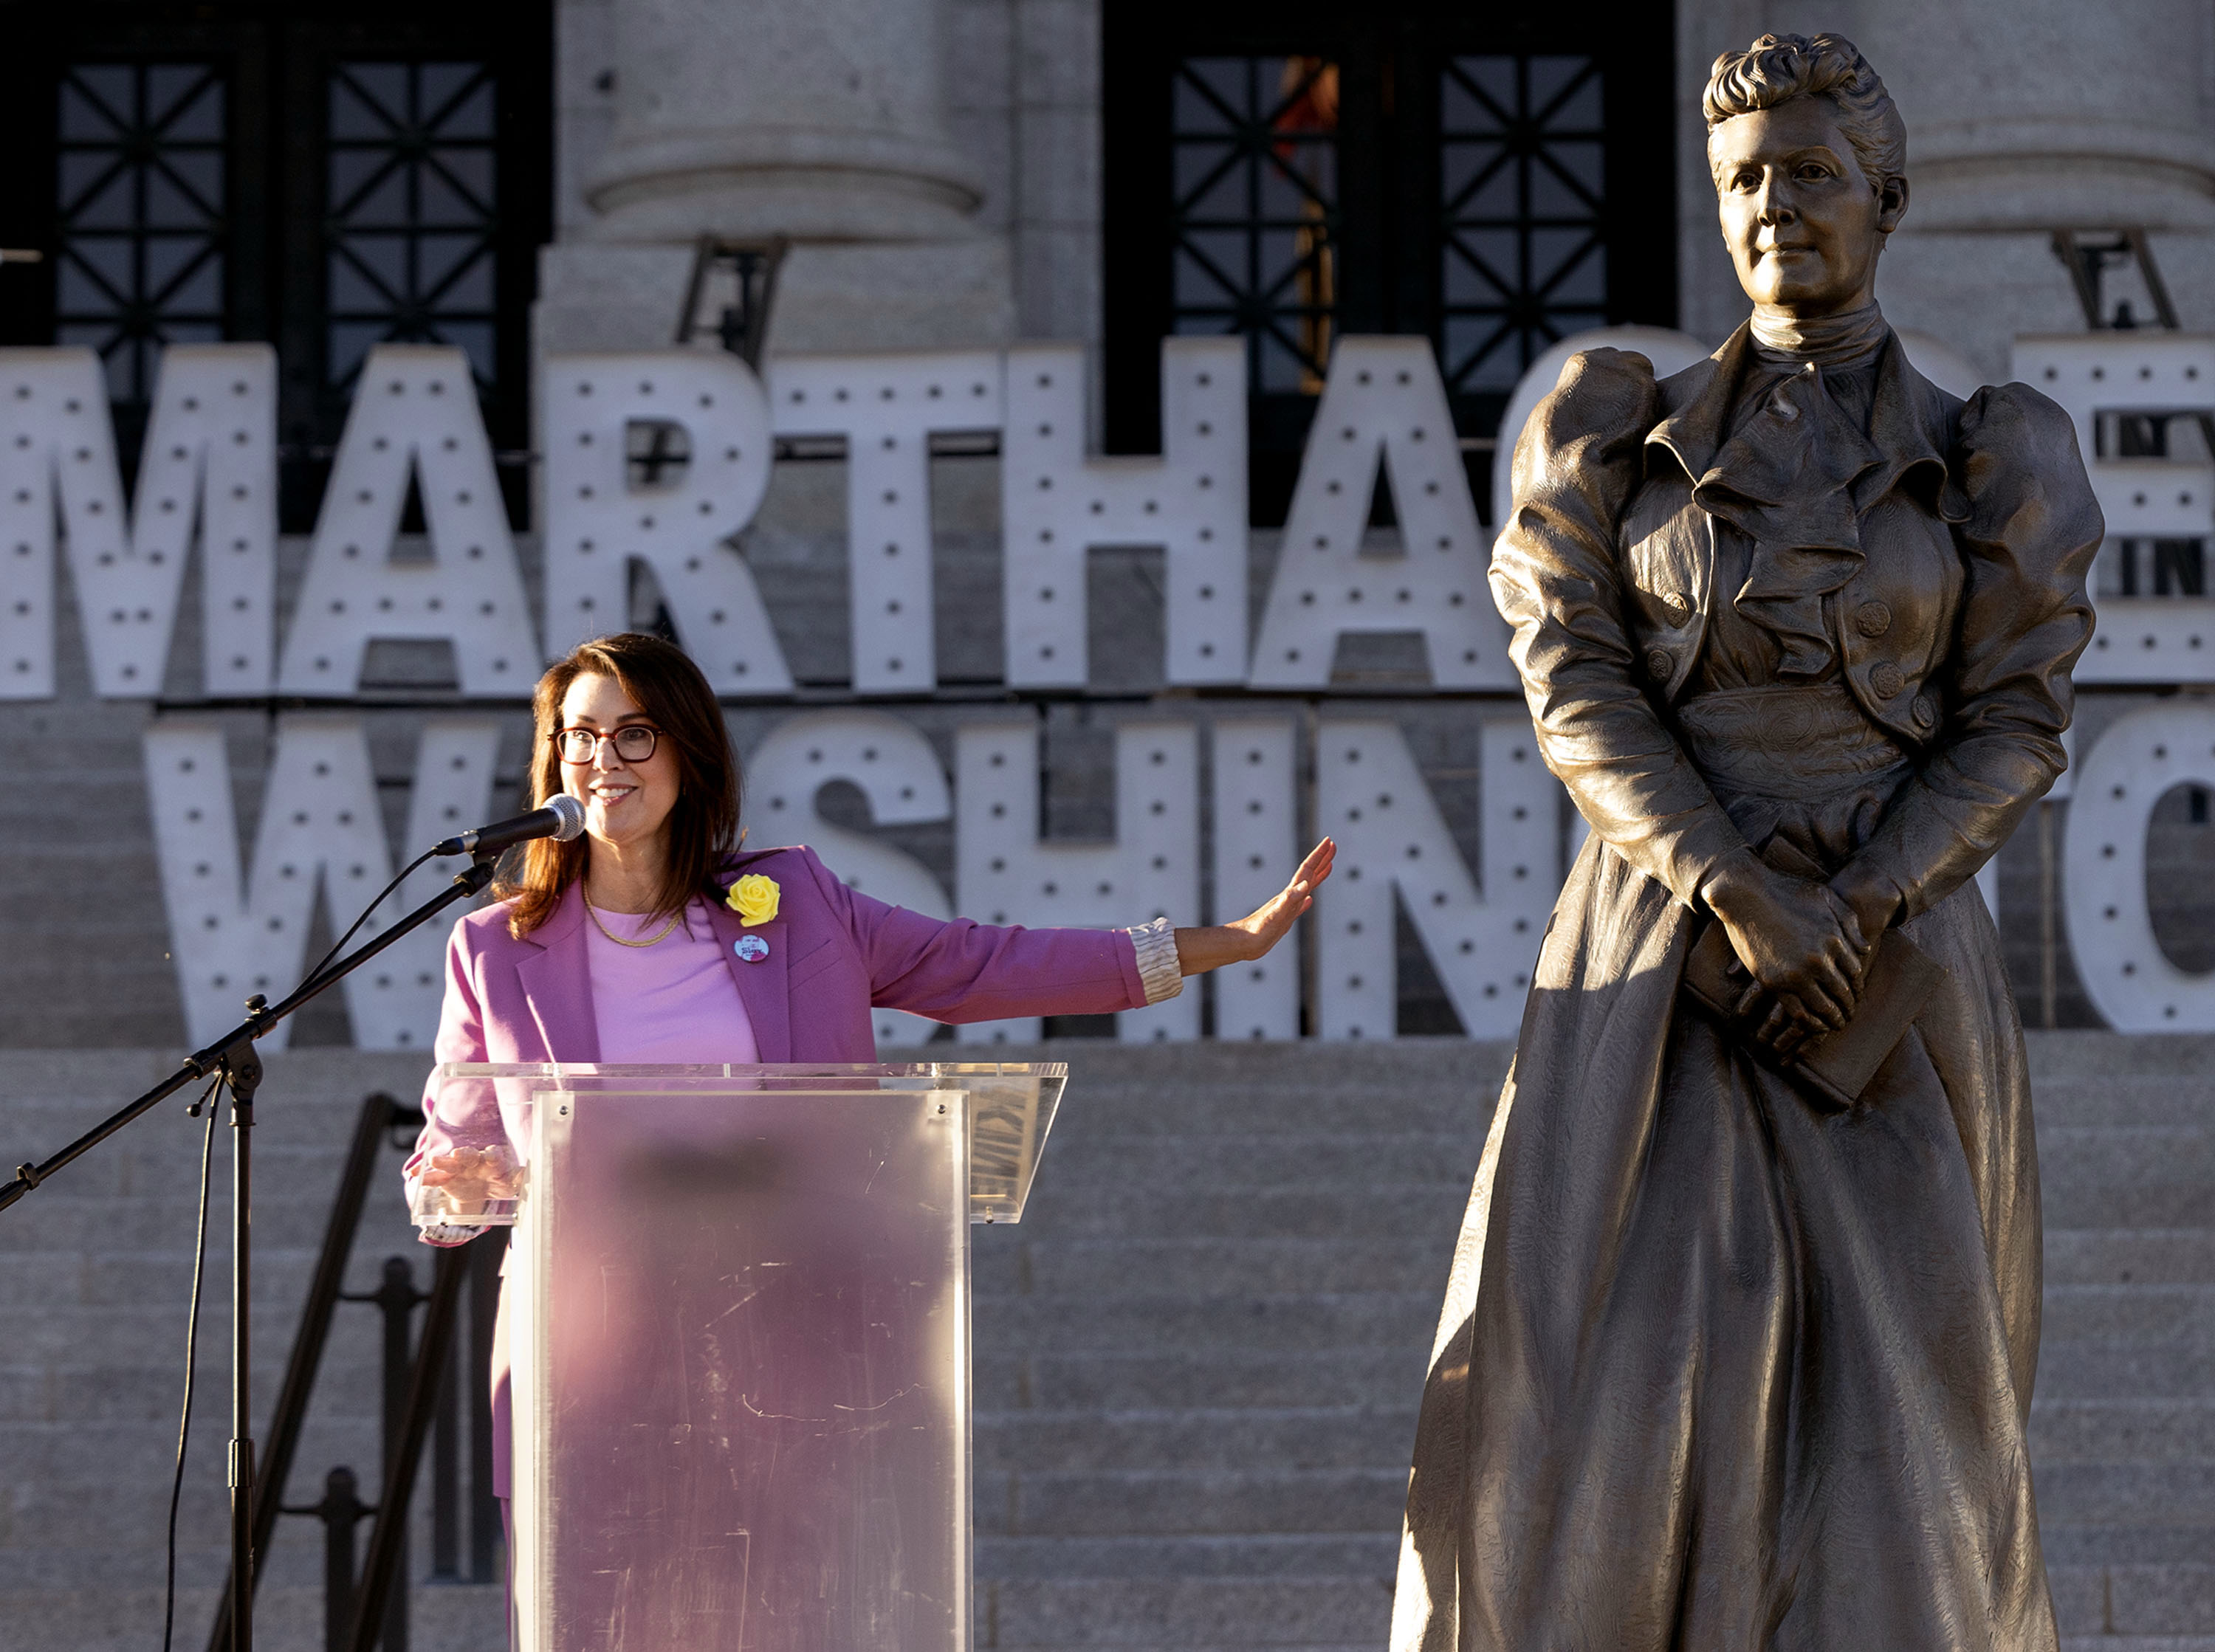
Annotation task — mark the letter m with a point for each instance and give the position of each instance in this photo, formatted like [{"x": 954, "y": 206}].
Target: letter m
[{"x": 210, "y": 464}]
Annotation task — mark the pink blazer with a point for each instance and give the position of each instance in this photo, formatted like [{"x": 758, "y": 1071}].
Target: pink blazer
[{"x": 833, "y": 953}]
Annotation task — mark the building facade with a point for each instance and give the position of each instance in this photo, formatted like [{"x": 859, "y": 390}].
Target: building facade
[{"x": 953, "y": 181}]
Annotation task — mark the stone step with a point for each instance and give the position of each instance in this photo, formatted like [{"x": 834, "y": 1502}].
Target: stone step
[
  {"x": 444, "y": 1618},
  {"x": 126, "y": 1454},
  {"x": 2134, "y": 1600},
  {"x": 2067, "y": 1544},
  {"x": 1130, "y": 1613},
  {"x": 1171, "y": 1503},
  {"x": 95, "y": 1227},
  {"x": 85, "y": 1395},
  {"x": 1324, "y": 1208},
  {"x": 2177, "y": 1493},
  {"x": 1340, "y": 1437},
  {"x": 2078, "y": 1256},
  {"x": 2099, "y": 1370},
  {"x": 2127, "y": 1315},
  {"x": 1365, "y": 1555},
  {"x": 1094, "y": 1110},
  {"x": 1216, "y": 1380},
  {"x": 157, "y": 1284},
  {"x": 2102, "y": 1057},
  {"x": 1295, "y": 1324},
  {"x": 1010, "y": 1261},
  {"x": 1381, "y": 1154},
  {"x": 2122, "y": 1431}
]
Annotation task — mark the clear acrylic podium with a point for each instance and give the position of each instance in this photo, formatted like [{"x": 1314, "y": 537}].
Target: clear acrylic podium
[{"x": 739, "y": 1325}]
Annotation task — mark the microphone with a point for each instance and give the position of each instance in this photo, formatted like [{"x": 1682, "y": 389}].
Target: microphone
[{"x": 562, "y": 819}]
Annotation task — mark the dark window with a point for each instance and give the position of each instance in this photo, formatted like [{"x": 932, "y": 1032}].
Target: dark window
[
  {"x": 139, "y": 200},
  {"x": 1299, "y": 170},
  {"x": 1523, "y": 188},
  {"x": 324, "y": 178},
  {"x": 413, "y": 217},
  {"x": 1254, "y": 209}
]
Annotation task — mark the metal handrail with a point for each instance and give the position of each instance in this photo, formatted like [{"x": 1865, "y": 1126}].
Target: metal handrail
[{"x": 420, "y": 1392}]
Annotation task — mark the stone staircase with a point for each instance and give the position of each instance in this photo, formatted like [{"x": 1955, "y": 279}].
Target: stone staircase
[
  {"x": 2123, "y": 1429},
  {"x": 94, "y": 1272},
  {"x": 1197, "y": 1359},
  {"x": 1199, "y": 1356}
]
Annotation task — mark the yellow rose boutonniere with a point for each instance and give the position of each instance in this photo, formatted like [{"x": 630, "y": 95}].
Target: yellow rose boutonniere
[{"x": 754, "y": 898}]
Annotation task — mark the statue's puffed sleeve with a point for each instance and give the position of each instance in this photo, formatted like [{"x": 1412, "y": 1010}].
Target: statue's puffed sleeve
[
  {"x": 1557, "y": 578},
  {"x": 2033, "y": 528}
]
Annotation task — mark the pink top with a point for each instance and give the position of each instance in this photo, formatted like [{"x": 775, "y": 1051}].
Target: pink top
[{"x": 671, "y": 1001}]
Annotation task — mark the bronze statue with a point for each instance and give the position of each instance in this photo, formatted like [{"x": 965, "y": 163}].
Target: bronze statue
[{"x": 1732, "y": 1358}]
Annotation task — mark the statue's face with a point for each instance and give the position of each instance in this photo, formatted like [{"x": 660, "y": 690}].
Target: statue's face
[{"x": 1804, "y": 224}]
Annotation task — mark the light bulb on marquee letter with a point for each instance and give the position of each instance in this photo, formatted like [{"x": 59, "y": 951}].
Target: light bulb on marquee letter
[
  {"x": 1371, "y": 796},
  {"x": 887, "y": 407},
  {"x": 596, "y": 521},
  {"x": 1004, "y": 874},
  {"x": 1383, "y": 397},
  {"x": 210, "y": 459},
  {"x": 1057, "y": 503},
  {"x": 414, "y": 412},
  {"x": 892, "y": 765}
]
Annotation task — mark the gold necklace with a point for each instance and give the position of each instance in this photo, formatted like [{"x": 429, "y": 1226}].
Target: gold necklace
[{"x": 618, "y": 940}]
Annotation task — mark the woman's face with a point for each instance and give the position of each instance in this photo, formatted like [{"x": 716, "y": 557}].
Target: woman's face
[
  {"x": 626, "y": 803},
  {"x": 1803, "y": 223}
]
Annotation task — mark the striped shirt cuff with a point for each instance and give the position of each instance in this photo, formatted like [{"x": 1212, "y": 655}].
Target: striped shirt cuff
[{"x": 1158, "y": 970}]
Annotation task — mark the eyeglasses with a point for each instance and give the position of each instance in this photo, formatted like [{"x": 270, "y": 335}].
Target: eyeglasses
[{"x": 634, "y": 743}]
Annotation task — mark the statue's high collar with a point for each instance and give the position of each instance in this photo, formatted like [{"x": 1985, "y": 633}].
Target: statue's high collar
[{"x": 1836, "y": 343}]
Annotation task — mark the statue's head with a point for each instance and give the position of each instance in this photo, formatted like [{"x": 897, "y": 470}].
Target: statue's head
[{"x": 1809, "y": 158}]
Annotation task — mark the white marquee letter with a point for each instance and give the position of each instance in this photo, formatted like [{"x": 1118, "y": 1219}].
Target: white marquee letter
[
  {"x": 210, "y": 458},
  {"x": 1381, "y": 394},
  {"x": 1057, "y": 504},
  {"x": 887, "y": 407},
  {"x": 320, "y": 826},
  {"x": 597, "y": 522},
  {"x": 2144, "y": 639},
  {"x": 1254, "y": 854},
  {"x": 1372, "y": 797},
  {"x": 2125, "y": 974},
  {"x": 892, "y": 764},
  {"x": 414, "y": 412},
  {"x": 1004, "y": 874}
]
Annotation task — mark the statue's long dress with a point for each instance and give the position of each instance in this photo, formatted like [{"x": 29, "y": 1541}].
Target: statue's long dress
[{"x": 1719, "y": 1370}]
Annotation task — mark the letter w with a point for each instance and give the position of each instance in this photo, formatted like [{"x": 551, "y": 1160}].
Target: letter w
[{"x": 321, "y": 827}]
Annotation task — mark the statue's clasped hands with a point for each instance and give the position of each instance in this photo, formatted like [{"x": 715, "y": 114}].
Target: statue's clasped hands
[{"x": 1802, "y": 943}]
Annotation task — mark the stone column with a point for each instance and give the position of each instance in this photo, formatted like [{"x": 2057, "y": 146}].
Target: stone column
[{"x": 824, "y": 122}]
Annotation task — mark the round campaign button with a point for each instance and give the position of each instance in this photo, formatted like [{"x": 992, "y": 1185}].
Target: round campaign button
[{"x": 752, "y": 948}]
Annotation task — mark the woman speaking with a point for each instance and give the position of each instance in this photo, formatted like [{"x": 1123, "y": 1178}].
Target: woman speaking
[{"x": 651, "y": 938}]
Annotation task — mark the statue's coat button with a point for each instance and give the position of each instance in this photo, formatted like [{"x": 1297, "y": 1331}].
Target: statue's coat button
[
  {"x": 1873, "y": 619},
  {"x": 1659, "y": 665},
  {"x": 1926, "y": 713},
  {"x": 1886, "y": 680}
]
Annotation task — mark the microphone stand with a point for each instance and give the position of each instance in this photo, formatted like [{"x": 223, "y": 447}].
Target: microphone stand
[{"x": 235, "y": 1059}]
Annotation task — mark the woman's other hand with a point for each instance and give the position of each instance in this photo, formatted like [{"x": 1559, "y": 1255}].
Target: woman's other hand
[
  {"x": 1214, "y": 945},
  {"x": 468, "y": 1175},
  {"x": 1799, "y": 940}
]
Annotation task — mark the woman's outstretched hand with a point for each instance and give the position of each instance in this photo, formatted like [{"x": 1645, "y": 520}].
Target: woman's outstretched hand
[
  {"x": 1799, "y": 941},
  {"x": 1214, "y": 945}
]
